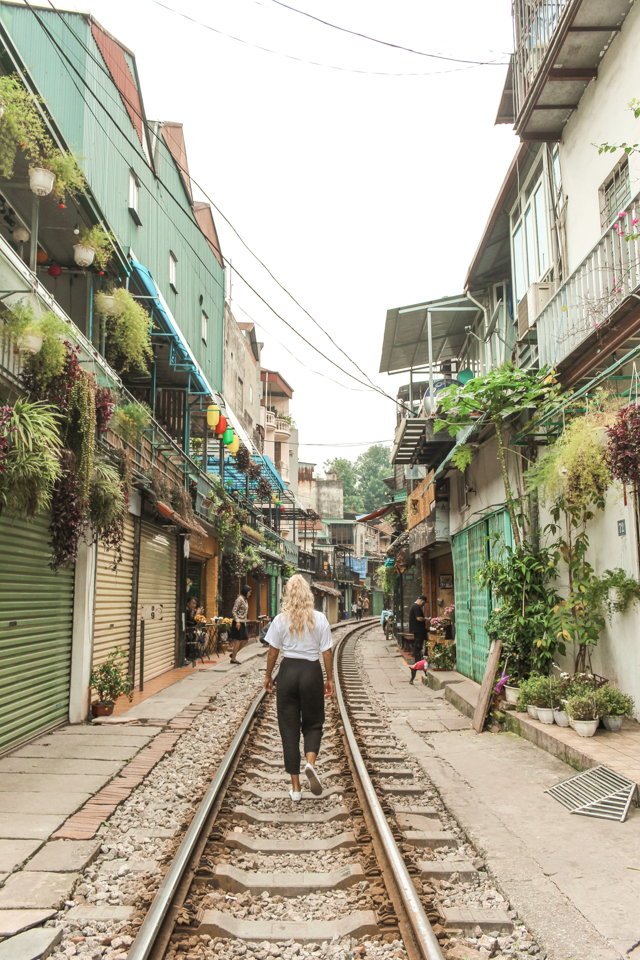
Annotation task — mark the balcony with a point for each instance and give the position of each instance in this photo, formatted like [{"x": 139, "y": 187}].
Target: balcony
[
  {"x": 559, "y": 46},
  {"x": 270, "y": 420},
  {"x": 283, "y": 429},
  {"x": 307, "y": 562},
  {"x": 586, "y": 315}
]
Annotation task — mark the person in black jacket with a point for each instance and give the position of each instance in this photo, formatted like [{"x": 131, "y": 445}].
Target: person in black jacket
[{"x": 418, "y": 627}]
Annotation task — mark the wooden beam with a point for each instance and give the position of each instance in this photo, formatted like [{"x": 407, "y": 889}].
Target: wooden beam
[{"x": 486, "y": 690}]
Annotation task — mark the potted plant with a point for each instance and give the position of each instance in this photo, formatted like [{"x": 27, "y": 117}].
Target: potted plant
[
  {"x": 525, "y": 697},
  {"x": 131, "y": 419},
  {"x": 64, "y": 170},
  {"x": 613, "y": 707},
  {"x": 128, "y": 330},
  {"x": 543, "y": 697},
  {"x": 93, "y": 244},
  {"x": 110, "y": 681},
  {"x": 30, "y": 440},
  {"x": 582, "y": 709}
]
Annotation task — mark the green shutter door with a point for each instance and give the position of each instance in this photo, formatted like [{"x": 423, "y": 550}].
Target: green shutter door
[
  {"x": 36, "y": 621},
  {"x": 460, "y": 550},
  {"x": 479, "y": 600}
]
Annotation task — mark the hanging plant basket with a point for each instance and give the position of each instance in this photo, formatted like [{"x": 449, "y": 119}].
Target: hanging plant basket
[
  {"x": 31, "y": 343},
  {"x": 82, "y": 255},
  {"x": 109, "y": 305},
  {"x": 41, "y": 181}
]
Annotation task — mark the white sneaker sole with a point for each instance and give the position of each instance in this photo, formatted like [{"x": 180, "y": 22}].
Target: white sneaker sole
[{"x": 314, "y": 784}]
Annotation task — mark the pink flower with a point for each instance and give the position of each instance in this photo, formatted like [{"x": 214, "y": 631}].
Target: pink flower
[
  {"x": 634, "y": 221},
  {"x": 622, "y": 213}
]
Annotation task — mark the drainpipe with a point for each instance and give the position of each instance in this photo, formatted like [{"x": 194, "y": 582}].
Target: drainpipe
[{"x": 486, "y": 324}]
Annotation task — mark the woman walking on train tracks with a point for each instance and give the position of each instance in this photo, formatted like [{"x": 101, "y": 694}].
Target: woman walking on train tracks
[{"x": 302, "y": 634}]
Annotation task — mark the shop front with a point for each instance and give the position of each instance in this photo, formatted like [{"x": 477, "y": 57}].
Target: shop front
[{"x": 326, "y": 600}]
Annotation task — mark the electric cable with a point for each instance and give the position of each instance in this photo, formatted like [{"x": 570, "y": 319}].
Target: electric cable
[
  {"x": 386, "y": 43},
  {"x": 313, "y": 63},
  {"x": 185, "y": 172},
  {"x": 187, "y": 242}
]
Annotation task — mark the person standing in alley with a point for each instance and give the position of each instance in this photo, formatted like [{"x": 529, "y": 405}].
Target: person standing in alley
[
  {"x": 417, "y": 626},
  {"x": 359, "y": 609},
  {"x": 239, "y": 632},
  {"x": 365, "y": 606},
  {"x": 303, "y": 635}
]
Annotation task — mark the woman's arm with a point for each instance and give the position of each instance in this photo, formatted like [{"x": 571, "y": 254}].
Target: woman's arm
[
  {"x": 327, "y": 656},
  {"x": 272, "y": 656}
]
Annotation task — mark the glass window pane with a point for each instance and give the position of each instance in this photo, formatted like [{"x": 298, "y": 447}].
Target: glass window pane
[
  {"x": 520, "y": 269},
  {"x": 531, "y": 250},
  {"x": 541, "y": 231}
]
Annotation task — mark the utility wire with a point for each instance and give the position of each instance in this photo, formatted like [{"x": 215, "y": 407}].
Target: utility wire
[
  {"x": 187, "y": 242},
  {"x": 313, "y": 63},
  {"x": 386, "y": 43}
]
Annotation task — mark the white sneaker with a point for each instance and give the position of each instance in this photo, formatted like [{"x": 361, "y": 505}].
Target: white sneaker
[
  {"x": 314, "y": 783},
  {"x": 295, "y": 796}
]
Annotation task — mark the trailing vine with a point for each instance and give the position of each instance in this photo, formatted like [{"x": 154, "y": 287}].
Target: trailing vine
[
  {"x": 107, "y": 508},
  {"x": 30, "y": 441},
  {"x": 105, "y": 406},
  {"x": 263, "y": 490},
  {"x": 81, "y": 427},
  {"x": 128, "y": 330},
  {"x": 243, "y": 459},
  {"x": 54, "y": 389},
  {"x": 67, "y": 524}
]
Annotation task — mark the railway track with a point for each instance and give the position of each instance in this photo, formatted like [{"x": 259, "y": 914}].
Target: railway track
[{"x": 254, "y": 868}]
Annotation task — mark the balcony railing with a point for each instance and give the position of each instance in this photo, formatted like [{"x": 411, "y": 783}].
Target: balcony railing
[
  {"x": 535, "y": 22},
  {"x": 307, "y": 561},
  {"x": 587, "y": 300},
  {"x": 283, "y": 429},
  {"x": 270, "y": 419}
]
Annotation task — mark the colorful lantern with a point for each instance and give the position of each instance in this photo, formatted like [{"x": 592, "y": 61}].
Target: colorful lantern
[
  {"x": 221, "y": 425},
  {"x": 227, "y": 436},
  {"x": 234, "y": 445},
  {"x": 42, "y": 256},
  {"x": 213, "y": 414},
  {"x": 54, "y": 270}
]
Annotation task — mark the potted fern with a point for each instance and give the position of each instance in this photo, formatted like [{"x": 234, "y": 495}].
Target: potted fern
[
  {"x": 110, "y": 681},
  {"x": 94, "y": 244},
  {"x": 128, "y": 330}
]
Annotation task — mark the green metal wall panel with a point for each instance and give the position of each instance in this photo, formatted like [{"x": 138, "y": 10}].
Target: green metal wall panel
[
  {"x": 377, "y": 600},
  {"x": 477, "y": 536},
  {"x": 464, "y": 644},
  {"x": 95, "y": 123},
  {"x": 36, "y": 620}
]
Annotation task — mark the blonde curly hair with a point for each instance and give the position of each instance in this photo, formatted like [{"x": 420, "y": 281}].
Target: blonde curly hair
[{"x": 297, "y": 608}]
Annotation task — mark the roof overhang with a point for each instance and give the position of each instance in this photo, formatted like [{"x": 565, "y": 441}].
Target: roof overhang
[
  {"x": 415, "y": 442},
  {"x": 406, "y": 333}
]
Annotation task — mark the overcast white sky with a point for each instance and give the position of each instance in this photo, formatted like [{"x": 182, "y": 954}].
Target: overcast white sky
[{"x": 360, "y": 192}]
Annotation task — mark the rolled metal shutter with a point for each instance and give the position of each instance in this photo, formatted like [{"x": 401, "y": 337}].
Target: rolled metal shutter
[
  {"x": 113, "y": 598},
  {"x": 36, "y": 622},
  {"x": 157, "y": 585}
]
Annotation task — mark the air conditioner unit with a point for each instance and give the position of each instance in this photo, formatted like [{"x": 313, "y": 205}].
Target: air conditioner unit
[{"x": 532, "y": 304}]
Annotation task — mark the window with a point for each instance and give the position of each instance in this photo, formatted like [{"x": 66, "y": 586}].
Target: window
[
  {"x": 173, "y": 270},
  {"x": 239, "y": 395},
  {"x": 615, "y": 193},
  {"x": 204, "y": 327},
  {"x": 134, "y": 189},
  {"x": 530, "y": 235},
  {"x": 341, "y": 534}
]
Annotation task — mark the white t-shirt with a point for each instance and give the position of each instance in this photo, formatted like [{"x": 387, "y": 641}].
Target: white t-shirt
[{"x": 309, "y": 646}]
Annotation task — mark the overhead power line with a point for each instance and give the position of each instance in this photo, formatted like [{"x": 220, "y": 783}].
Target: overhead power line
[
  {"x": 64, "y": 56},
  {"x": 387, "y": 43},
  {"x": 468, "y": 65}
]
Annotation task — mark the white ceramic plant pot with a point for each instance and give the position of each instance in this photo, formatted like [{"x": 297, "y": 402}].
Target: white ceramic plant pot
[
  {"x": 31, "y": 343},
  {"x": 511, "y": 693},
  {"x": 586, "y": 728},
  {"x": 613, "y": 723},
  {"x": 82, "y": 255},
  {"x": 545, "y": 714},
  {"x": 111, "y": 306},
  {"x": 561, "y": 718},
  {"x": 532, "y": 711},
  {"x": 41, "y": 181},
  {"x": 2, "y": 108}
]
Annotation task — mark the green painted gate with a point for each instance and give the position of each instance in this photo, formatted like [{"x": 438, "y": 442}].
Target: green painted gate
[
  {"x": 36, "y": 620},
  {"x": 470, "y": 548}
]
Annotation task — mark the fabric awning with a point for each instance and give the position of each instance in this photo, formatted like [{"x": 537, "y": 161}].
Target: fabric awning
[{"x": 382, "y": 512}]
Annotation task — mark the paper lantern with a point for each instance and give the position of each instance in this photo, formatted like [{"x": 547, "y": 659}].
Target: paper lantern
[
  {"x": 54, "y": 270},
  {"x": 221, "y": 425},
  {"x": 234, "y": 445},
  {"x": 213, "y": 414},
  {"x": 227, "y": 436}
]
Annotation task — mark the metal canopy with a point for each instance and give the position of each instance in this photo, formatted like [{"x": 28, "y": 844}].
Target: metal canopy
[
  {"x": 415, "y": 443},
  {"x": 406, "y": 333}
]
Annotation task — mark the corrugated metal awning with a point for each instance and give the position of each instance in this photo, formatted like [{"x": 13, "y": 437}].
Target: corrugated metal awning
[{"x": 406, "y": 346}]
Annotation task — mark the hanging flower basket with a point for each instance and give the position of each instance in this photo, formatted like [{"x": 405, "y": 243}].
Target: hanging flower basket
[
  {"x": 31, "y": 343},
  {"x": 106, "y": 304},
  {"x": 82, "y": 255},
  {"x": 41, "y": 181}
]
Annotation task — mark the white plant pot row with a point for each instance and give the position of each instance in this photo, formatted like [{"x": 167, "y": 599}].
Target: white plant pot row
[{"x": 584, "y": 728}]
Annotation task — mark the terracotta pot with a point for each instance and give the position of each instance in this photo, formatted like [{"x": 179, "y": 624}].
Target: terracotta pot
[
  {"x": 102, "y": 709},
  {"x": 41, "y": 181}
]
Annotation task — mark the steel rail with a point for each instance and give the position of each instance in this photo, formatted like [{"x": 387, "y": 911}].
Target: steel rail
[
  {"x": 425, "y": 937},
  {"x": 152, "y": 923}
]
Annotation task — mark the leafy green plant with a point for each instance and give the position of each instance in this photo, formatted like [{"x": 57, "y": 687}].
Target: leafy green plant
[
  {"x": 110, "y": 679},
  {"x": 504, "y": 392},
  {"x": 131, "y": 420},
  {"x": 81, "y": 427},
  {"x": 575, "y": 468},
  {"x": 611, "y": 702},
  {"x": 67, "y": 523},
  {"x": 22, "y": 126},
  {"x": 181, "y": 502},
  {"x": 288, "y": 571},
  {"x": 66, "y": 169},
  {"x": 31, "y": 466},
  {"x": 128, "y": 330},
  {"x": 108, "y": 507},
  {"x": 18, "y": 321},
  {"x": 443, "y": 656},
  {"x": 582, "y": 707},
  {"x": 100, "y": 241},
  {"x": 386, "y": 579}
]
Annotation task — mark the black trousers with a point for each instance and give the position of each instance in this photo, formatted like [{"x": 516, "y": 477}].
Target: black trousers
[
  {"x": 300, "y": 700},
  {"x": 418, "y": 646}
]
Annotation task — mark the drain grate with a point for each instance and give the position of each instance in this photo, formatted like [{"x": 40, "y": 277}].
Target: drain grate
[{"x": 597, "y": 793}]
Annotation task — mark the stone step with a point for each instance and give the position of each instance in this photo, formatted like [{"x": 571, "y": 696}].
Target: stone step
[
  {"x": 240, "y": 841},
  {"x": 444, "y": 869},
  {"x": 403, "y": 773},
  {"x": 35, "y": 944},
  {"x": 466, "y": 919},
  {"x": 242, "y": 812},
  {"x": 274, "y": 777},
  {"x": 284, "y": 795},
  {"x": 362, "y": 923},
  {"x": 434, "y": 840},
  {"x": 234, "y": 880},
  {"x": 416, "y": 789}
]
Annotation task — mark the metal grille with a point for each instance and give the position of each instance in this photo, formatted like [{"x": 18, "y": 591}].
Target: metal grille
[
  {"x": 460, "y": 549},
  {"x": 597, "y": 793}
]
